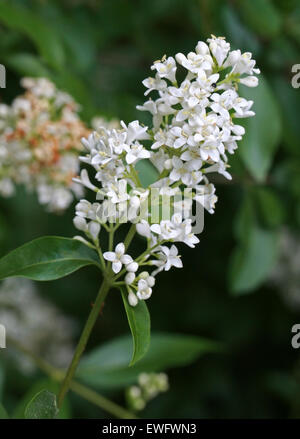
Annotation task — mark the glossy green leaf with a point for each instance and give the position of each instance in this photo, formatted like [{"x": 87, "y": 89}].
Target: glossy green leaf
[
  {"x": 42, "y": 406},
  {"x": 263, "y": 132},
  {"x": 147, "y": 172},
  {"x": 23, "y": 20},
  {"x": 139, "y": 321},
  {"x": 107, "y": 366},
  {"x": 47, "y": 258},
  {"x": 253, "y": 260}
]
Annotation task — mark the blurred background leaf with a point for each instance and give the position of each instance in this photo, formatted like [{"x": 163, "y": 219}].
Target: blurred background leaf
[
  {"x": 107, "y": 366},
  {"x": 100, "y": 51},
  {"x": 258, "y": 147}
]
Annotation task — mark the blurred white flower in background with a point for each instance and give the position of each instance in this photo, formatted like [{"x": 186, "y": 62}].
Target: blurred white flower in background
[
  {"x": 40, "y": 136},
  {"x": 36, "y": 324},
  {"x": 286, "y": 275},
  {"x": 150, "y": 385}
]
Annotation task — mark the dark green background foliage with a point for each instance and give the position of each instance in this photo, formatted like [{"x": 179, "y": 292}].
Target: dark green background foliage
[{"x": 100, "y": 51}]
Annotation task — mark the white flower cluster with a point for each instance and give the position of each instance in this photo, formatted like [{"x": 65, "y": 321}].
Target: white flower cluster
[
  {"x": 35, "y": 323},
  {"x": 193, "y": 132},
  {"x": 149, "y": 386},
  {"x": 40, "y": 136}
]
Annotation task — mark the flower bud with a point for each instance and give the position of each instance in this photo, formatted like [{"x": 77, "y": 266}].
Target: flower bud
[
  {"x": 94, "y": 229},
  {"x": 249, "y": 81},
  {"x": 151, "y": 281},
  {"x": 80, "y": 223},
  {"x": 132, "y": 267},
  {"x": 132, "y": 299},
  {"x": 129, "y": 278}
]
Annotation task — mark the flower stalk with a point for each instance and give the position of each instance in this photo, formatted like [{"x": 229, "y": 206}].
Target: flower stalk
[
  {"x": 83, "y": 340},
  {"x": 78, "y": 388}
]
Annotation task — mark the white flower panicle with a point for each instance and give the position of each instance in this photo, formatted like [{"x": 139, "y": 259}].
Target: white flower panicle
[
  {"x": 40, "y": 136},
  {"x": 194, "y": 130}
]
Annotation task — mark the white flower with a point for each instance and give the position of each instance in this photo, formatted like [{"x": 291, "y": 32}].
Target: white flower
[
  {"x": 219, "y": 48},
  {"x": 117, "y": 193},
  {"x": 144, "y": 290},
  {"x": 168, "y": 257},
  {"x": 241, "y": 63},
  {"x": 143, "y": 228},
  {"x": 166, "y": 68},
  {"x": 85, "y": 181},
  {"x": 154, "y": 84},
  {"x": 7, "y": 187},
  {"x": 193, "y": 156},
  {"x": 148, "y": 278},
  {"x": 205, "y": 195},
  {"x": 135, "y": 131},
  {"x": 195, "y": 61},
  {"x": 183, "y": 171},
  {"x": 134, "y": 152},
  {"x": 220, "y": 168},
  {"x": 166, "y": 229},
  {"x": 118, "y": 257}
]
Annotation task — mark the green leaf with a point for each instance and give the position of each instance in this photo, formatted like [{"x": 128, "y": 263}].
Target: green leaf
[
  {"x": 37, "y": 387},
  {"x": 107, "y": 366},
  {"x": 244, "y": 219},
  {"x": 236, "y": 31},
  {"x": 290, "y": 103},
  {"x": 253, "y": 260},
  {"x": 261, "y": 16},
  {"x": 27, "y": 64},
  {"x": 47, "y": 258},
  {"x": 139, "y": 322},
  {"x": 270, "y": 209},
  {"x": 263, "y": 131},
  {"x": 147, "y": 172},
  {"x": 23, "y": 20},
  {"x": 3, "y": 412},
  {"x": 42, "y": 406}
]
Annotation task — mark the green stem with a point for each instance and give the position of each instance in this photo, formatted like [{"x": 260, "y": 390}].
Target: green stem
[
  {"x": 98, "y": 248},
  {"x": 53, "y": 372},
  {"x": 101, "y": 401},
  {"x": 129, "y": 236},
  {"x": 86, "y": 393},
  {"x": 83, "y": 340},
  {"x": 111, "y": 239}
]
